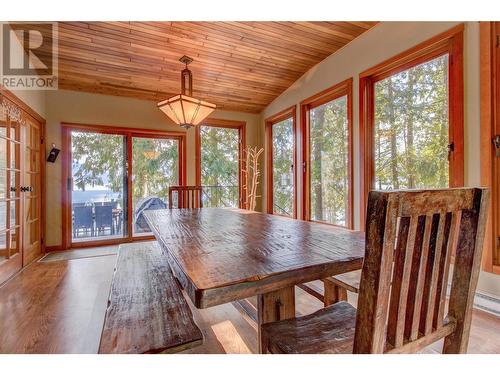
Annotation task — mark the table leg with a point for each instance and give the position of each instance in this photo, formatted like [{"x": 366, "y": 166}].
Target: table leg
[
  {"x": 274, "y": 306},
  {"x": 333, "y": 293}
]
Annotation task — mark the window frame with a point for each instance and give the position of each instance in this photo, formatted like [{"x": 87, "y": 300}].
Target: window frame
[
  {"x": 288, "y": 113},
  {"x": 336, "y": 91},
  {"x": 231, "y": 124},
  {"x": 450, "y": 42},
  {"x": 128, "y": 133},
  {"x": 490, "y": 114}
]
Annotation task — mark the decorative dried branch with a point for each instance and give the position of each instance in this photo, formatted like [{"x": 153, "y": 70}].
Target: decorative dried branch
[{"x": 251, "y": 175}]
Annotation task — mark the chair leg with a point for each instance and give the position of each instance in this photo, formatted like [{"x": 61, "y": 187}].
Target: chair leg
[{"x": 333, "y": 293}]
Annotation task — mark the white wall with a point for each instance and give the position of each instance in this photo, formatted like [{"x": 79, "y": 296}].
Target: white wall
[
  {"x": 87, "y": 108},
  {"x": 377, "y": 45}
]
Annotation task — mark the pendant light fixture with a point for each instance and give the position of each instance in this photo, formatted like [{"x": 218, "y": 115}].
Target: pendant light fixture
[{"x": 183, "y": 109}]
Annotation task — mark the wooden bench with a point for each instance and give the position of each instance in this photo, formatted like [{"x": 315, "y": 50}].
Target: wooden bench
[
  {"x": 147, "y": 312},
  {"x": 336, "y": 287}
]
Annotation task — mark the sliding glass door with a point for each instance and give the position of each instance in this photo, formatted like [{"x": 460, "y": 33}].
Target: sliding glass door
[
  {"x": 155, "y": 167},
  {"x": 99, "y": 189},
  {"x": 113, "y": 177}
]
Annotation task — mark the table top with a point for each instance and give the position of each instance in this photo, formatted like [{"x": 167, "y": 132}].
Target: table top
[{"x": 223, "y": 255}]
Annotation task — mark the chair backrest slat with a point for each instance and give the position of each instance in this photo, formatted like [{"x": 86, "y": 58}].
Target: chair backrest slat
[
  {"x": 444, "y": 267},
  {"x": 415, "y": 292},
  {"x": 410, "y": 238},
  {"x": 187, "y": 196}
]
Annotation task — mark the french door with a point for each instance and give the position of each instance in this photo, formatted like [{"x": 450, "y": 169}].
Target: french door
[
  {"x": 31, "y": 191},
  {"x": 112, "y": 176},
  {"x": 20, "y": 188}
]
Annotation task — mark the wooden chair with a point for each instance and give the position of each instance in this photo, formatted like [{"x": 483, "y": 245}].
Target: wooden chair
[
  {"x": 187, "y": 196},
  {"x": 411, "y": 237}
]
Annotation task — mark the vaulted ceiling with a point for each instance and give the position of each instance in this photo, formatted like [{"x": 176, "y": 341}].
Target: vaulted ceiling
[{"x": 239, "y": 66}]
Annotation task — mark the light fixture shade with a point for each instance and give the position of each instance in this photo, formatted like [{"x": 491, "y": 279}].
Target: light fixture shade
[{"x": 186, "y": 111}]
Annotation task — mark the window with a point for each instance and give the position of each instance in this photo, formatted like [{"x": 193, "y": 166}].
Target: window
[
  {"x": 411, "y": 127},
  {"x": 111, "y": 176},
  {"x": 327, "y": 147},
  {"x": 490, "y": 128},
  {"x": 220, "y": 146},
  {"x": 411, "y": 118},
  {"x": 281, "y": 155}
]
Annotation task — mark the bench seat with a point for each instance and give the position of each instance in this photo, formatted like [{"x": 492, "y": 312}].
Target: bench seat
[{"x": 147, "y": 312}]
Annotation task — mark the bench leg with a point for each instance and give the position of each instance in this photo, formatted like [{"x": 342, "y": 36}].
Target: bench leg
[
  {"x": 333, "y": 293},
  {"x": 274, "y": 306}
]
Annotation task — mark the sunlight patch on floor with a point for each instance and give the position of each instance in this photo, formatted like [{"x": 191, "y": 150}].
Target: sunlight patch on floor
[{"x": 229, "y": 338}]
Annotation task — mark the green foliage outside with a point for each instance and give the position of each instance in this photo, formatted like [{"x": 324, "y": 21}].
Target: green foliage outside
[
  {"x": 411, "y": 127},
  {"x": 283, "y": 167},
  {"x": 96, "y": 156},
  {"x": 99, "y": 160},
  {"x": 219, "y": 166},
  {"x": 329, "y": 162},
  {"x": 155, "y": 166}
]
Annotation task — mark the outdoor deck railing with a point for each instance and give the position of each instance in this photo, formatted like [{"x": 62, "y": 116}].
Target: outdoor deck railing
[{"x": 220, "y": 196}]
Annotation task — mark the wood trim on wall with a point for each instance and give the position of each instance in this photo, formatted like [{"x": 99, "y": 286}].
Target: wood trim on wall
[
  {"x": 489, "y": 96},
  {"x": 220, "y": 123},
  {"x": 25, "y": 107},
  {"x": 451, "y": 42},
  {"x": 66, "y": 128},
  {"x": 286, "y": 114},
  {"x": 343, "y": 88}
]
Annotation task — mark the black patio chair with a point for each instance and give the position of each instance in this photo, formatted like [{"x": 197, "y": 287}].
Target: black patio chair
[
  {"x": 104, "y": 219},
  {"x": 82, "y": 220}
]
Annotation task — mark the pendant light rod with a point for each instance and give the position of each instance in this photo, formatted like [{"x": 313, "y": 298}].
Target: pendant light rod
[{"x": 186, "y": 76}]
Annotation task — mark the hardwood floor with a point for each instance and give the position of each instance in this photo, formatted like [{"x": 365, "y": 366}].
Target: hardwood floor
[{"x": 58, "y": 307}]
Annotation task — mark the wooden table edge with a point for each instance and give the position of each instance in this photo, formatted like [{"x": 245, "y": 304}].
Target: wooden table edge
[{"x": 202, "y": 297}]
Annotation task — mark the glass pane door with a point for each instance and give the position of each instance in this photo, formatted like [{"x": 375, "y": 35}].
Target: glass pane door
[
  {"x": 98, "y": 179},
  {"x": 10, "y": 196},
  {"x": 31, "y": 191},
  {"x": 155, "y": 166},
  {"x": 283, "y": 183}
]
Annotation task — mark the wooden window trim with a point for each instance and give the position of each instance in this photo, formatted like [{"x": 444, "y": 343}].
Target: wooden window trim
[
  {"x": 451, "y": 42},
  {"x": 288, "y": 113},
  {"x": 66, "y": 129},
  {"x": 220, "y": 123},
  {"x": 343, "y": 88},
  {"x": 490, "y": 165}
]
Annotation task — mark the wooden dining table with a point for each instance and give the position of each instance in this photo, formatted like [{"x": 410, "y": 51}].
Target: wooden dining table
[{"x": 225, "y": 255}]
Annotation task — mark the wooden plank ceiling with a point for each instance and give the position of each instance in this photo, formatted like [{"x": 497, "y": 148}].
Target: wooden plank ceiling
[{"x": 239, "y": 66}]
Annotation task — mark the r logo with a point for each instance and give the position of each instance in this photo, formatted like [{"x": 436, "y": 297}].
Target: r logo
[{"x": 29, "y": 55}]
